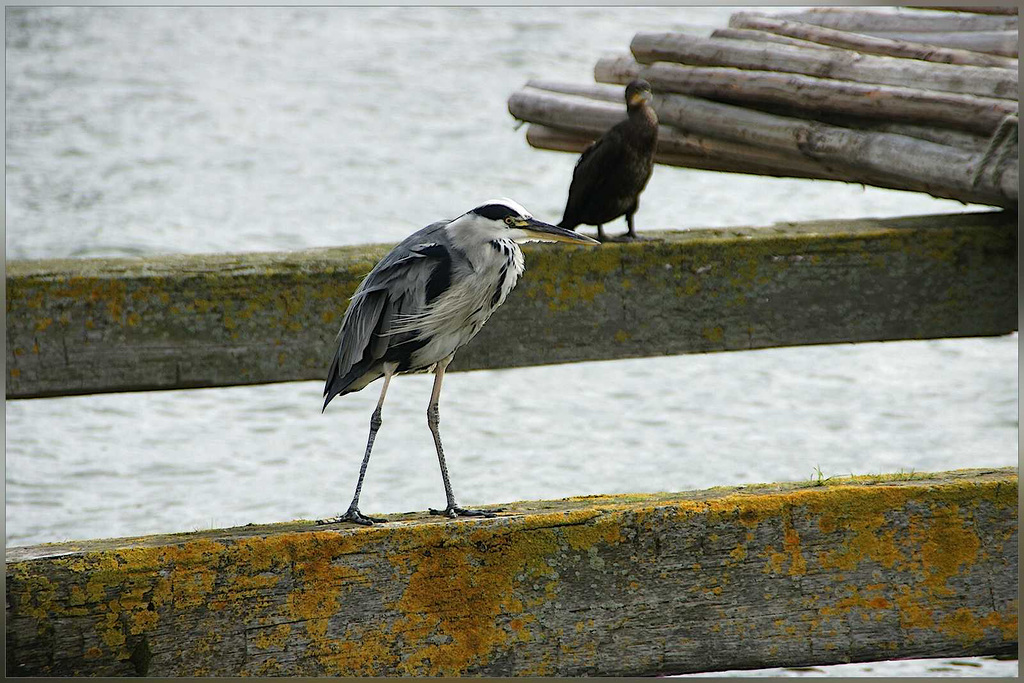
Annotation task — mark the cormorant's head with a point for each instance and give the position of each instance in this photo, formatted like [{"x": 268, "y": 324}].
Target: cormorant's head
[
  {"x": 504, "y": 218},
  {"x": 637, "y": 92}
]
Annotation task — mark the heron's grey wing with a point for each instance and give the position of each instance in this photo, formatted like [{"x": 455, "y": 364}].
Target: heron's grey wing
[{"x": 397, "y": 287}]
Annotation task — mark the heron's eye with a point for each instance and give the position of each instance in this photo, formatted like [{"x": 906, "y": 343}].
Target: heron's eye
[{"x": 510, "y": 221}]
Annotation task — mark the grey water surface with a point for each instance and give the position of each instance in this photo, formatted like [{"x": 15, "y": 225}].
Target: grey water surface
[{"x": 136, "y": 131}]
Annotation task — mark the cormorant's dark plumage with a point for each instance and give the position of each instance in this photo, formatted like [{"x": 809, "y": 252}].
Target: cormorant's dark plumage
[{"x": 613, "y": 171}]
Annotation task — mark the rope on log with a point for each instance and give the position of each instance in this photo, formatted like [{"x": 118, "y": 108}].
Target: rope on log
[
  {"x": 854, "y": 569},
  {"x": 810, "y": 34},
  {"x": 834, "y": 65}
]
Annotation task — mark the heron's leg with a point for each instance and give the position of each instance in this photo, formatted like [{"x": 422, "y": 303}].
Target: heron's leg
[
  {"x": 353, "y": 514},
  {"x": 631, "y": 234},
  {"x": 600, "y": 233},
  {"x": 433, "y": 420}
]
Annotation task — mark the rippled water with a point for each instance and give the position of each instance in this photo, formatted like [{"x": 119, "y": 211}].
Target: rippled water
[{"x": 134, "y": 131}]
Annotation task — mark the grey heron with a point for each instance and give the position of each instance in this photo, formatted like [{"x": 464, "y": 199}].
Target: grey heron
[
  {"x": 612, "y": 172},
  {"x": 422, "y": 302}
]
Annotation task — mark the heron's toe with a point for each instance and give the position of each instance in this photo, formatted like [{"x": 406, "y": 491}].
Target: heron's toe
[
  {"x": 453, "y": 511},
  {"x": 353, "y": 515}
]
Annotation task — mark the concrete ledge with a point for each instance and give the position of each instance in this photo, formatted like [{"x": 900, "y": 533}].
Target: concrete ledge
[
  {"x": 96, "y": 325},
  {"x": 857, "y": 569}
]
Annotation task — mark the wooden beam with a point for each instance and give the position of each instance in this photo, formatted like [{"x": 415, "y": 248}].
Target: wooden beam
[
  {"x": 838, "y": 65},
  {"x": 859, "y": 569},
  {"x": 813, "y": 94},
  {"x": 834, "y": 152},
  {"x": 860, "y": 21},
  {"x": 172, "y": 322},
  {"x": 810, "y": 34}
]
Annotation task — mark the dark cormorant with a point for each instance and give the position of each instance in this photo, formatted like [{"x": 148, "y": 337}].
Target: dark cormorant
[{"x": 613, "y": 171}]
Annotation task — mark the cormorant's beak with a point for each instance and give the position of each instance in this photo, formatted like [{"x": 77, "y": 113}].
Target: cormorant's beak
[
  {"x": 538, "y": 230},
  {"x": 640, "y": 96}
]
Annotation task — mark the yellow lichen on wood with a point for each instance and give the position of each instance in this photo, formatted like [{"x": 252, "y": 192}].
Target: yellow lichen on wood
[{"x": 539, "y": 589}]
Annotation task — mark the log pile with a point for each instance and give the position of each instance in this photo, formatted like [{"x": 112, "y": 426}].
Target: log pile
[{"x": 884, "y": 99}]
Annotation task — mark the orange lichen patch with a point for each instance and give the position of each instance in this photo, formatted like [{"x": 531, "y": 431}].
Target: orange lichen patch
[
  {"x": 111, "y": 293},
  {"x": 1006, "y": 623},
  {"x": 797, "y": 564},
  {"x": 945, "y": 544},
  {"x": 272, "y": 637},
  {"x": 913, "y": 612},
  {"x": 963, "y": 625},
  {"x": 868, "y": 599}
]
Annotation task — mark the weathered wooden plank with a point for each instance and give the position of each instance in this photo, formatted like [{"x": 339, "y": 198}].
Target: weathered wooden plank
[
  {"x": 610, "y": 93},
  {"x": 839, "y": 65},
  {"x": 811, "y": 93},
  {"x": 858, "y": 569},
  {"x": 714, "y": 155},
  {"x": 860, "y": 21},
  {"x": 1008, "y": 10},
  {"x": 876, "y": 158},
  {"x": 95, "y": 325},
  {"x": 808, "y": 35},
  {"x": 1003, "y": 43}
]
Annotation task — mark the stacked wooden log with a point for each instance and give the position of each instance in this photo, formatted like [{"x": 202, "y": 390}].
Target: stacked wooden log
[{"x": 835, "y": 94}]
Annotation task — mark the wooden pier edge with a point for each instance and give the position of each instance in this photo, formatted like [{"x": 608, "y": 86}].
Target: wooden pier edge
[
  {"x": 80, "y": 326},
  {"x": 811, "y": 573}
]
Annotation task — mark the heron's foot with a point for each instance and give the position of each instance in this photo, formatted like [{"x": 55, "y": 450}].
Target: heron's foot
[
  {"x": 453, "y": 511},
  {"x": 353, "y": 515}
]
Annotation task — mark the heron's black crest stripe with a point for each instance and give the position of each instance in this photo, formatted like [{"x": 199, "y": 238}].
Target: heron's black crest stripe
[
  {"x": 495, "y": 212},
  {"x": 432, "y": 251},
  {"x": 501, "y": 282},
  {"x": 441, "y": 277}
]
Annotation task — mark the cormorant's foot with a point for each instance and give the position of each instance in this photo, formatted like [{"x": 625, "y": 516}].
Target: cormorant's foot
[
  {"x": 453, "y": 511},
  {"x": 353, "y": 515}
]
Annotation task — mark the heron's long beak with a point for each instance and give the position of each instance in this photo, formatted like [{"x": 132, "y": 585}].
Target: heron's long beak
[{"x": 545, "y": 232}]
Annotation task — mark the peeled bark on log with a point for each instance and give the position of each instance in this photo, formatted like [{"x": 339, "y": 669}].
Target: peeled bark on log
[
  {"x": 765, "y": 37},
  {"x": 992, "y": 42},
  {"x": 838, "y": 65},
  {"x": 848, "y": 155},
  {"x": 810, "y": 34},
  {"x": 860, "y": 21},
  {"x": 953, "y": 110}
]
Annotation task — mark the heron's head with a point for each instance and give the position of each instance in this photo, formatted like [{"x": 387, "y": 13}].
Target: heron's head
[
  {"x": 637, "y": 92},
  {"x": 504, "y": 218}
]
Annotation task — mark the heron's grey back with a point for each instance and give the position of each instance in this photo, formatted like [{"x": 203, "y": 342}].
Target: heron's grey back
[{"x": 394, "y": 289}]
